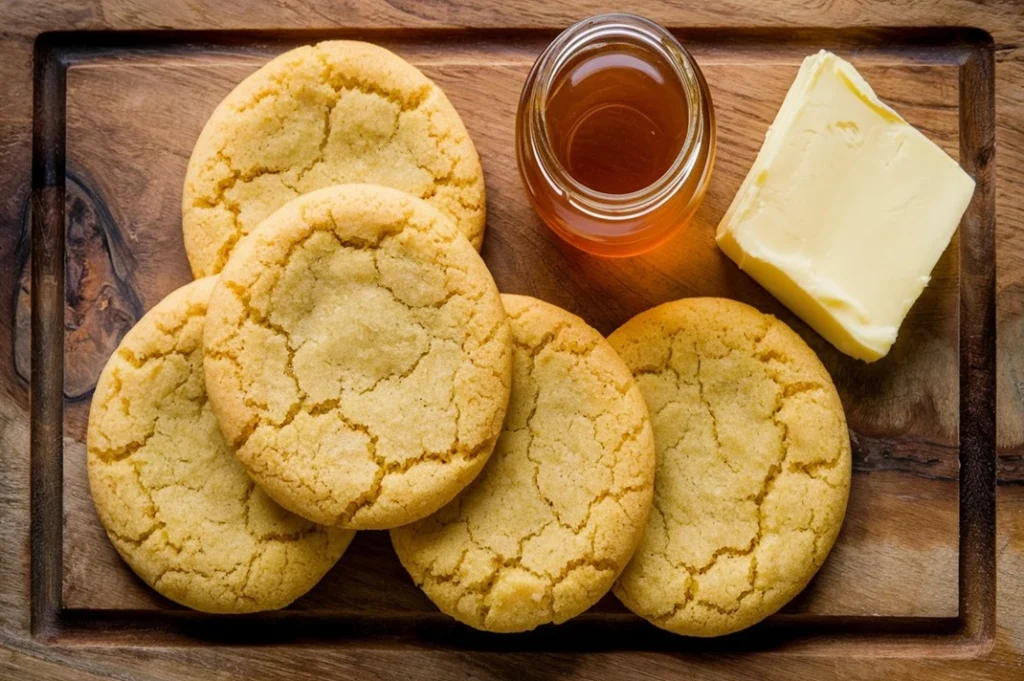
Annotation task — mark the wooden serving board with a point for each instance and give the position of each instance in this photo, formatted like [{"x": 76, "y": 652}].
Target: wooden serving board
[
  {"x": 134, "y": 110},
  {"x": 95, "y": 241}
]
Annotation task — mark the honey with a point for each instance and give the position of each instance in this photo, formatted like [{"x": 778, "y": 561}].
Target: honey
[
  {"x": 615, "y": 135},
  {"x": 616, "y": 118}
]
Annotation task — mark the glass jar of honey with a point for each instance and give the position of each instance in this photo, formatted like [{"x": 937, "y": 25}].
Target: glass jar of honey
[{"x": 615, "y": 135}]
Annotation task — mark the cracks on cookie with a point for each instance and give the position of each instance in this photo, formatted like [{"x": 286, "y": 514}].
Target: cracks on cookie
[
  {"x": 766, "y": 487},
  {"x": 111, "y": 455},
  {"x": 489, "y": 337},
  {"x": 701, "y": 391},
  {"x": 442, "y": 578},
  {"x": 386, "y": 468},
  {"x": 169, "y": 544},
  {"x": 346, "y": 81},
  {"x": 373, "y": 248},
  {"x": 421, "y": 100},
  {"x": 707, "y": 406},
  {"x": 300, "y": 175},
  {"x": 531, "y": 352},
  {"x": 344, "y": 510},
  {"x": 504, "y": 563},
  {"x": 115, "y": 454},
  {"x": 243, "y": 591},
  {"x": 135, "y": 541},
  {"x": 813, "y": 469},
  {"x": 211, "y": 573},
  {"x": 770, "y": 358},
  {"x": 678, "y": 608}
]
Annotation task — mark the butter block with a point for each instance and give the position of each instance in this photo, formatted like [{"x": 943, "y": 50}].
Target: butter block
[{"x": 846, "y": 209}]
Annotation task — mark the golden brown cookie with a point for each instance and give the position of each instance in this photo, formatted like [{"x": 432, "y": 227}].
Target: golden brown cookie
[
  {"x": 176, "y": 504},
  {"x": 753, "y": 465},
  {"x": 555, "y": 515},
  {"x": 358, "y": 357},
  {"x": 340, "y": 111}
]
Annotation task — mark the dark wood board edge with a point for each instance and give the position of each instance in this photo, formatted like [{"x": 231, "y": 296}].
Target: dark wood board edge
[
  {"x": 917, "y": 43},
  {"x": 782, "y": 635},
  {"x": 978, "y": 353},
  {"x": 47, "y": 378},
  {"x": 969, "y": 635}
]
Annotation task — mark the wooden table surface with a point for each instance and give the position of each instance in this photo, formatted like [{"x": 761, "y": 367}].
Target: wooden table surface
[{"x": 924, "y": 531}]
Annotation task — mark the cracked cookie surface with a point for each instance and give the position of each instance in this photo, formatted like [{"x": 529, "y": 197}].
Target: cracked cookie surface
[
  {"x": 553, "y": 518},
  {"x": 176, "y": 504},
  {"x": 336, "y": 112},
  {"x": 753, "y": 465},
  {"x": 358, "y": 357}
]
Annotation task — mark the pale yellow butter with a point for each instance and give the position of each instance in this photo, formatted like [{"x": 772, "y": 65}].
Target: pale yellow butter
[{"x": 846, "y": 209}]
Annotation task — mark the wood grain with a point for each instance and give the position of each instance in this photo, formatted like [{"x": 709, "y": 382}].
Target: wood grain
[
  {"x": 903, "y": 410},
  {"x": 907, "y": 462},
  {"x": 101, "y": 300}
]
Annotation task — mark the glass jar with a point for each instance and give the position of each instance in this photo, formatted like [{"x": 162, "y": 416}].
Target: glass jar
[{"x": 596, "y": 220}]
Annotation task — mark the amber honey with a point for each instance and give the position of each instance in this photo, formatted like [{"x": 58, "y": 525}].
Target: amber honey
[
  {"x": 616, "y": 118},
  {"x": 615, "y": 135}
]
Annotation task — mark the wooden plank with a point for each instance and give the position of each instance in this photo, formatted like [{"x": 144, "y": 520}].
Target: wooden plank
[
  {"x": 1002, "y": 19},
  {"x": 114, "y": 106},
  {"x": 24, "y": 657}
]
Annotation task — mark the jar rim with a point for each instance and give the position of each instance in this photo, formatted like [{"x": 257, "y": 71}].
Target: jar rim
[{"x": 600, "y": 29}]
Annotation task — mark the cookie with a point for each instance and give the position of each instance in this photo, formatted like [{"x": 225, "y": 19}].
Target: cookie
[
  {"x": 340, "y": 111},
  {"x": 358, "y": 357},
  {"x": 753, "y": 465},
  {"x": 555, "y": 515},
  {"x": 176, "y": 504}
]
